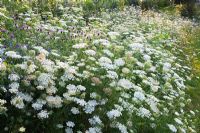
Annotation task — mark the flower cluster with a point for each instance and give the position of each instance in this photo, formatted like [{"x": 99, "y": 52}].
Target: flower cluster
[{"x": 117, "y": 74}]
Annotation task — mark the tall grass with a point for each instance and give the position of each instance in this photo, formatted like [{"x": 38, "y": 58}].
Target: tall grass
[{"x": 190, "y": 44}]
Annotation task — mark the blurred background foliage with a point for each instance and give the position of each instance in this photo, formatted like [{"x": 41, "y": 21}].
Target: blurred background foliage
[{"x": 187, "y": 8}]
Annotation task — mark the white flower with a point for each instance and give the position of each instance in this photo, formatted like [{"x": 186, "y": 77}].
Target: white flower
[
  {"x": 94, "y": 130},
  {"x": 27, "y": 19},
  {"x": 13, "y": 54},
  {"x": 93, "y": 95},
  {"x": 136, "y": 46},
  {"x": 22, "y": 66},
  {"x": 75, "y": 110},
  {"x": 81, "y": 88},
  {"x": 122, "y": 128},
  {"x": 104, "y": 42},
  {"x": 51, "y": 90},
  {"x": 146, "y": 57},
  {"x": 25, "y": 96},
  {"x": 112, "y": 75},
  {"x": 90, "y": 52},
  {"x": 48, "y": 65},
  {"x": 140, "y": 64},
  {"x": 13, "y": 77},
  {"x": 152, "y": 101},
  {"x": 40, "y": 87},
  {"x": 2, "y": 106},
  {"x": 178, "y": 121},
  {"x": 68, "y": 130},
  {"x": 183, "y": 130},
  {"x": 2, "y": 102},
  {"x": 144, "y": 112},
  {"x": 62, "y": 64},
  {"x": 72, "y": 89},
  {"x": 41, "y": 50},
  {"x": 180, "y": 83},
  {"x": 54, "y": 101},
  {"x": 22, "y": 129},
  {"x": 154, "y": 84},
  {"x": 172, "y": 128},
  {"x": 192, "y": 112},
  {"x": 37, "y": 106},
  {"x": 14, "y": 87},
  {"x": 113, "y": 114},
  {"x": 44, "y": 79},
  {"x": 95, "y": 120},
  {"x": 55, "y": 54},
  {"x": 139, "y": 95},
  {"x": 113, "y": 35},
  {"x": 70, "y": 124},
  {"x": 155, "y": 88},
  {"x": 81, "y": 102},
  {"x": 90, "y": 106},
  {"x": 17, "y": 101},
  {"x": 79, "y": 46},
  {"x": 106, "y": 63},
  {"x": 108, "y": 53},
  {"x": 2, "y": 66},
  {"x": 125, "y": 70},
  {"x": 89, "y": 109},
  {"x": 166, "y": 67},
  {"x": 104, "y": 60},
  {"x": 125, "y": 83},
  {"x": 119, "y": 62},
  {"x": 3, "y": 89},
  {"x": 43, "y": 114},
  {"x": 119, "y": 108}
]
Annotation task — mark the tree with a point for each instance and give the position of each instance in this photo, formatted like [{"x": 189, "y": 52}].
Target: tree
[{"x": 189, "y": 5}]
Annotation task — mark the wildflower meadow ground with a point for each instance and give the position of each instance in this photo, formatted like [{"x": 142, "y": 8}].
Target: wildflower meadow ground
[{"x": 119, "y": 73}]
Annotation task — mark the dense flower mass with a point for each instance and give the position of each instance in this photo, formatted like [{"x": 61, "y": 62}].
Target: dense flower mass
[{"x": 117, "y": 74}]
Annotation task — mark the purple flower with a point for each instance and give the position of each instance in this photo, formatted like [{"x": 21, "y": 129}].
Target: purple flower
[
  {"x": 17, "y": 46},
  {"x": 3, "y": 30},
  {"x": 3, "y": 58},
  {"x": 12, "y": 35}
]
